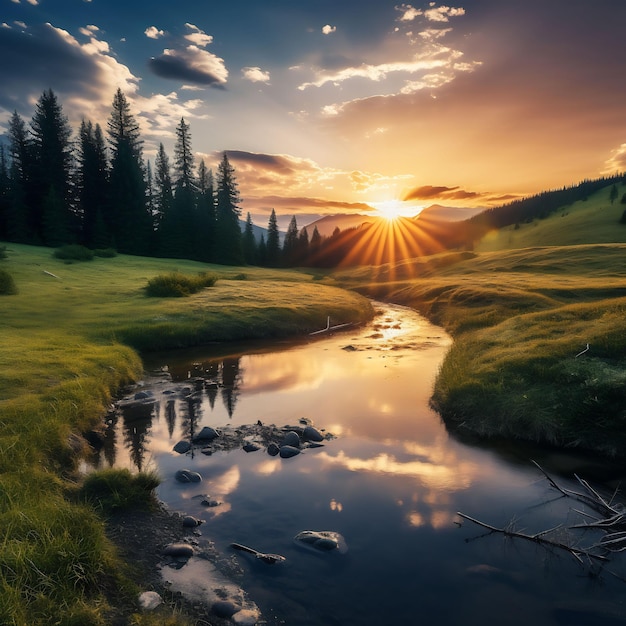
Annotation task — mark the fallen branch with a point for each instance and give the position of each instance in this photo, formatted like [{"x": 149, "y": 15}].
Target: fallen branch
[
  {"x": 330, "y": 328},
  {"x": 51, "y": 274},
  {"x": 539, "y": 538}
]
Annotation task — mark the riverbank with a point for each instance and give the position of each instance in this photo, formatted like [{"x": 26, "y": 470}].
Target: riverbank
[
  {"x": 71, "y": 338},
  {"x": 539, "y": 340}
]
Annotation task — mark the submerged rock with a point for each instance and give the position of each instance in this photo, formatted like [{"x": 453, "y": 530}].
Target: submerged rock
[
  {"x": 286, "y": 452},
  {"x": 182, "y": 447},
  {"x": 321, "y": 541},
  {"x": 273, "y": 449},
  {"x": 177, "y": 550},
  {"x": 206, "y": 434},
  {"x": 311, "y": 433},
  {"x": 291, "y": 439},
  {"x": 251, "y": 447},
  {"x": 187, "y": 476}
]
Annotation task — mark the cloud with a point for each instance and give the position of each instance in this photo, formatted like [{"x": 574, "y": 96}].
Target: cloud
[
  {"x": 191, "y": 65},
  {"x": 430, "y": 192},
  {"x": 433, "y": 14},
  {"x": 328, "y": 29},
  {"x": 46, "y": 55},
  {"x": 197, "y": 36},
  {"x": 255, "y": 75},
  {"x": 84, "y": 75},
  {"x": 616, "y": 163},
  {"x": 152, "y": 32}
]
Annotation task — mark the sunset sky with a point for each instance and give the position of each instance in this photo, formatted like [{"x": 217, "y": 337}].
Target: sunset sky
[{"x": 335, "y": 106}]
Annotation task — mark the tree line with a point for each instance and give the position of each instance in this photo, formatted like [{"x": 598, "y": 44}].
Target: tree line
[{"x": 97, "y": 190}]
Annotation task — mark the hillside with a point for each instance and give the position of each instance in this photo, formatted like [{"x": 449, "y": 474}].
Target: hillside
[{"x": 590, "y": 221}]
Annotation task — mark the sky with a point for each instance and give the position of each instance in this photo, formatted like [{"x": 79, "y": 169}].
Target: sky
[{"x": 342, "y": 106}]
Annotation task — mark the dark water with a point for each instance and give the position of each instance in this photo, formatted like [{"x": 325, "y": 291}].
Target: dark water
[{"x": 391, "y": 483}]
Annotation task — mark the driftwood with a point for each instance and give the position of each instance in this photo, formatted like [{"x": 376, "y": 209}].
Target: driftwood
[{"x": 609, "y": 517}]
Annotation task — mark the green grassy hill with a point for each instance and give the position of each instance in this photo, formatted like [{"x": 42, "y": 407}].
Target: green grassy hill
[{"x": 594, "y": 220}]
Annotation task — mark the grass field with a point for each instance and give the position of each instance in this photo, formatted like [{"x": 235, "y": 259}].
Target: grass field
[
  {"x": 520, "y": 318},
  {"x": 70, "y": 339}
]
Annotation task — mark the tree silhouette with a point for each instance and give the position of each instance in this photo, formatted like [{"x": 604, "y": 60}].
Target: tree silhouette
[
  {"x": 52, "y": 151},
  {"x": 92, "y": 185},
  {"x": 272, "y": 251},
  {"x": 290, "y": 244},
  {"x": 249, "y": 242},
  {"x": 228, "y": 244},
  {"x": 128, "y": 220},
  {"x": 206, "y": 215}
]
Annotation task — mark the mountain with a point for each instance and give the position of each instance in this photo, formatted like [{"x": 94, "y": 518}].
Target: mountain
[
  {"x": 449, "y": 213},
  {"x": 327, "y": 224}
]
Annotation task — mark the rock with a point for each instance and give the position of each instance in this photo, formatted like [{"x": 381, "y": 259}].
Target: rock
[
  {"x": 225, "y": 608},
  {"x": 187, "y": 476},
  {"x": 273, "y": 449},
  {"x": 206, "y": 434},
  {"x": 190, "y": 522},
  {"x": 312, "y": 444},
  {"x": 182, "y": 446},
  {"x": 210, "y": 502},
  {"x": 311, "y": 433},
  {"x": 286, "y": 452},
  {"x": 149, "y": 600},
  {"x": 143, "y": 395},
  {"x": 321, "y": 541},
  {"x": 291, "y": 439},
  {"x": 177, "y": 550},
  {"x": 251, "y": 447}
]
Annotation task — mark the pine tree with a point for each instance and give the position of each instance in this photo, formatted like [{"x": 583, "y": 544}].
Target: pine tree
[
  {"x": 290, "y": 244},
  {"x": 184, "y": 233},
  {"x": 249, "y": 243},
  {"x": 272, "y": 254},
  {"x": 315, "y": 247},
  {"x": 128, "y": 220},
  {"x": 302, "y": 253},
  {"x": 228, "y": 244},
  {"x": 93, "y": 185},
  {"x": 5, "y": 186},
  {"x": 20, "y": 221},
  {"x": 206, "y": 213},
  {"x": 53, "y": 165}
]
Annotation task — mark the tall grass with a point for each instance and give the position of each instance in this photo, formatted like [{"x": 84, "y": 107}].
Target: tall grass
[
  {"x": 519, "y": 319},
  {"x": 69, "y": 341}
]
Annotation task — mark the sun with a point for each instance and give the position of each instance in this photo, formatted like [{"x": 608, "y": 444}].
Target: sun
[{"x": 393, "y": 209}]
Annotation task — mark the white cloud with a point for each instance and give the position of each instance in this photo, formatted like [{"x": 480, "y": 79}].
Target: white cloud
[
  {"x": 328, "y": 29},
  {"x": 197, "y": 36},
  {"x": 20, "y": 24},
  {"x": 33, "y": 2},
  {"x": 152, "y": 32},
  {"x": 433, "y": 14},
  {"x": 255, "y": 74}
]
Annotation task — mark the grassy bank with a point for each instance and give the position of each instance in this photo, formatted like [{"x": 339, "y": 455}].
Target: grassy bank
[
  {"x": 70, "y": 338},
  {"x": 519, "y": 318}
]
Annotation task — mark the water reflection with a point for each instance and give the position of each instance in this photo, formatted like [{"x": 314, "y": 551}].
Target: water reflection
[{"x": 390, "y": 482}]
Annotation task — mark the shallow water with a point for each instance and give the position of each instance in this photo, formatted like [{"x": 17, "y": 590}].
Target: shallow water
[{"x": 390, "y": 482}]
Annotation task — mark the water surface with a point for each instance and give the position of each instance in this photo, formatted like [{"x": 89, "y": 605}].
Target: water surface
[{"x": 390, "y": 482}]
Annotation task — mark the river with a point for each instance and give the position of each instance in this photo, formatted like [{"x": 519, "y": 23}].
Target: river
[{"x": 390, "y": 480}]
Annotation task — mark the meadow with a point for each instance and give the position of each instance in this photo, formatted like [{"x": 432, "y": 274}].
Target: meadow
[
  {"x": 72, "y": 335},
  {"x": 538, "y": 316}
]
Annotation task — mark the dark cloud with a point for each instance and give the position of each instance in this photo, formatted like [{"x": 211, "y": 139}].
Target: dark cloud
[
  {"x": 427, "y": 192},
  {"x": 191, "y": 65},
  {"x": 39, "y": 58},
  {"x": 303, "y": 203},
  {"x": 272, "y": 162}
]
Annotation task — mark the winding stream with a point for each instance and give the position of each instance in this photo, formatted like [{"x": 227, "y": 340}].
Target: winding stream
[{"x": 390, "y": 481}]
